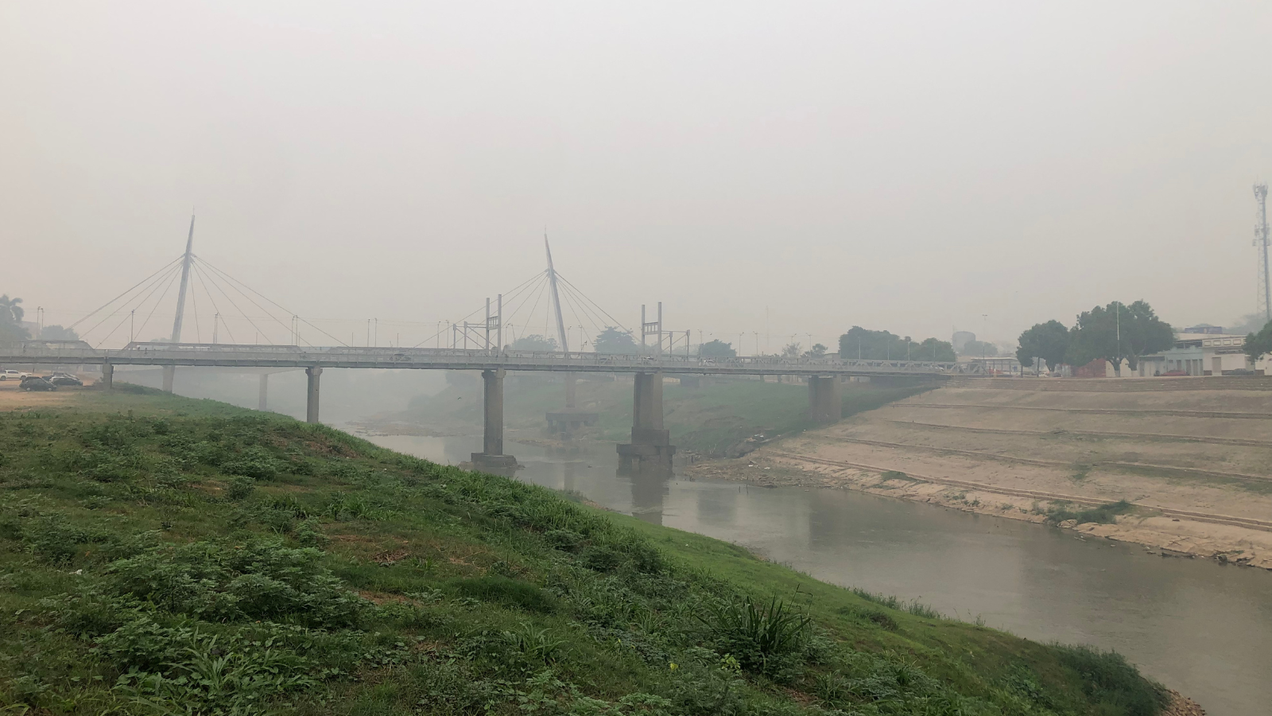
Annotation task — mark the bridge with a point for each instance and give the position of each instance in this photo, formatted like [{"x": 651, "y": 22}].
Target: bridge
[
  {"x": 650, "y": 445},
  {"x": 650, "y": 441}
]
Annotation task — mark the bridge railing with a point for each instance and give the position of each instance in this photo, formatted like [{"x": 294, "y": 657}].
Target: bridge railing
[{"x": 458, "y": 358}]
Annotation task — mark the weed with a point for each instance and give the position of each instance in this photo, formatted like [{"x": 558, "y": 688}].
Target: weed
[{"x": 756, "y": 633}]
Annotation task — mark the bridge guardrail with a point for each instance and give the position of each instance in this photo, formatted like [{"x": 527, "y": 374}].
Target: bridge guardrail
[{"x": 229, "y": 355}]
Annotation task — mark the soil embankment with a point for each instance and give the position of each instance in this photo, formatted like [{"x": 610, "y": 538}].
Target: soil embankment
[{"x": 1181, "y": 466}]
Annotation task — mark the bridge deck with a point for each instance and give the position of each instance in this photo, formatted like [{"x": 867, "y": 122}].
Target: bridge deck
[{"x": 259, "y": 356}]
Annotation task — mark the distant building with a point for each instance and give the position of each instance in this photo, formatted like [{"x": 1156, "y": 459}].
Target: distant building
[
  {"x": 1204, "y": 329},
  {"x": 961, "y": 339},
  {"x": 1199, "y": 353}
]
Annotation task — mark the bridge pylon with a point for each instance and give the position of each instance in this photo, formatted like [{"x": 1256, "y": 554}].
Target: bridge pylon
[
  {"x": 491, "y": 458},
  {"x": 650, "y": 448}
]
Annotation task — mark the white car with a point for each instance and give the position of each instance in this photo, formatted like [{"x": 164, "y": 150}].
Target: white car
[{"x": 11, "y": 375}]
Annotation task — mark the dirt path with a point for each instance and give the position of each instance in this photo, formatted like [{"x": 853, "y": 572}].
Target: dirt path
[{"x": 1193, "y": 490}]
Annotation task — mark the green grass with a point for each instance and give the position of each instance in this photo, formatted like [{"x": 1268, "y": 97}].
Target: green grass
[
  {"x": 138, "y": 575},
  {"x": 708, "y": 419}
]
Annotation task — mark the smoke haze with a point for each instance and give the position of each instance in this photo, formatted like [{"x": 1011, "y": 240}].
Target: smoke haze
[{"x": 792, "y": 168}]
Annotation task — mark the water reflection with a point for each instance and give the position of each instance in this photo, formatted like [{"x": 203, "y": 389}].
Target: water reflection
[
  {"x": 1199, "y": 627},
  {"x": 649, "y": 486}
]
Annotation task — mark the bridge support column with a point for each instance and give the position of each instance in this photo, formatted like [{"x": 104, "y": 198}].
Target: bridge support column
[
  {"x": 651, "y": 446},
  {"x": 169, "y": 372},
  {"x": 311, "y": 403},
  {"x": 263, "y": 399},
  {"x": 491, "y": 458},
  {"x": 825, "y": 399},
  {"x": 108, "y": 376}
]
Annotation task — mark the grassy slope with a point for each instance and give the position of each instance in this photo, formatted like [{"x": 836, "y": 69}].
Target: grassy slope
[
  {"x": 160, "y": 554},
  {"x": 707, "y": 419}
]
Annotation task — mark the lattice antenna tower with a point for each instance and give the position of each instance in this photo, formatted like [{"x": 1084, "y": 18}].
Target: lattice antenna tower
[{"x": 1261, "y": 239}]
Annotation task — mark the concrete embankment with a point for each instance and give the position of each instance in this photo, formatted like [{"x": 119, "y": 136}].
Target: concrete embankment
[{"x": 1191, "y": 459}]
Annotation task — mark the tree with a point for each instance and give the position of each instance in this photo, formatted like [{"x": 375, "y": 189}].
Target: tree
[
  {"x": 1118, "y": 332},
  {"x": 10, "y": 309},
  {"x": 816, "y": 351},
  {"x": 716, "y": 349},
  {"x": 1259, "y": 344},
  {"x": 790, "y": 350},
  {"x": 534, "y": 342},
  {"x": 1047, "y": 341},
  {"x": 58, "y": 333},
  {"x": 979, "y": 349},
  {"x": 934, "y": 350},
  {"x": 11, "y": 330},
  {"x": 862, "y": 343},
  {"x": 612, "y": 340}
]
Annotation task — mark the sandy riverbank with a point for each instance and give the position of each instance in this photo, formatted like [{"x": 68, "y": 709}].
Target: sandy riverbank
[{"x": 1194, "y": 464}]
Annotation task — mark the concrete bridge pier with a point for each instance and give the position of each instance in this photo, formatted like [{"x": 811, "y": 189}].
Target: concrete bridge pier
[
  {"x": 314, "y": 374},
  {"x": 825, "y": 399},
  {"x": 169, "y": 372},
  {"x": 263, "y": 399},
  {"x": 651, "y": 446},
  {"x": 491, "y": 458},
  {"x": 108, "y": 376}
]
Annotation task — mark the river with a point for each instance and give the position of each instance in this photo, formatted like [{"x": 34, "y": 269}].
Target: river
[{"x": 1202, "y": 628}]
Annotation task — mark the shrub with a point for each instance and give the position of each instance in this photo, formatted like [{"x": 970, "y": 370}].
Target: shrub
[
  {"x": 239, "y": 488},
  {"x": 253, "y": 462},
  {"x": 1104, "y": 514},
  {"x": 221, "y": 582}
]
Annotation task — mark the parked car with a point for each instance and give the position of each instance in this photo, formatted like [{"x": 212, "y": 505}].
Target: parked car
[
  {"x": 60, "y": 379},
  {"x": 1239, "y": 371},
  {"x": 35, "y": 382},
  {"x": 11, "y": 375},
  {"x": 1174, "y": 373}
]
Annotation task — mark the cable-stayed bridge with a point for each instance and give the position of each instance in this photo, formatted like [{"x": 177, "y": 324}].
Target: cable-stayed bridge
[{"x": 473, "y": 345}]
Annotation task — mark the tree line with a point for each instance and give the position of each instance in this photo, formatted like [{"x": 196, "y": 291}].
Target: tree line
[{"x": 1116, "y": 332}]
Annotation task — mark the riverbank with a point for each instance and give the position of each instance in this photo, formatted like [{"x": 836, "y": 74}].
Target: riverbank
[
  {"x": 1185, "y": 472},
  {"x": 161, "y": 553}
]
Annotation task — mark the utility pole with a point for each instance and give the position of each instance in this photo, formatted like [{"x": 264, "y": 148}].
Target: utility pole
[{"x": 1261, "y": 239}]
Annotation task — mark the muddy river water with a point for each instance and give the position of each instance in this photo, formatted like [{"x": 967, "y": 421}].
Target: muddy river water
[{"x": 1202, "y": 628}]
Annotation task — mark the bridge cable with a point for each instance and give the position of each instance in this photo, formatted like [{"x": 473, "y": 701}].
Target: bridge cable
[
  {"x": 125, "y": 293},
  {"x": 583, "y": 315},
  {"x": 594, "y": 303},
  {"x": 241, "y": 311},
  {"x": 204, "y": 277},
  {"x": 203, "y": 281},
  {"x": 591, "y": 316},
  {"x": 569, "y": 302},
  {"x": 157, "y": 302},
  {"x": 172, "y": 269},
  {"x": 516, "y": 310},
  {"x": 230, "y": 278},
  {"x": 198, "y": 334},
  {"x": 141, "y": 303},
  {"x": 538, "y": 297},
  {"x": 249, "y": 298}
]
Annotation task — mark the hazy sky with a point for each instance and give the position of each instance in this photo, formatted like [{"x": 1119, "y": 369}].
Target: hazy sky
[{"x": 908, "y": 166}]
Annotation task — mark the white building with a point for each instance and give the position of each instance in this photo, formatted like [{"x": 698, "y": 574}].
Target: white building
[{"x": 1199, "y": 354}]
